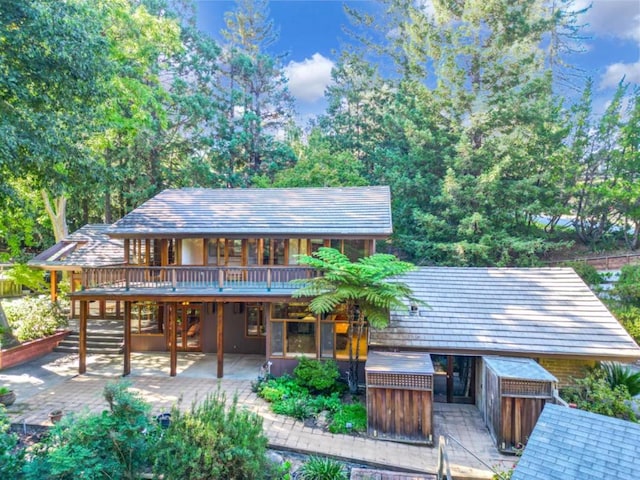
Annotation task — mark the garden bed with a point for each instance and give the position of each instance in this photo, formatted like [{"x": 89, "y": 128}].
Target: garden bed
[{"x": 30, "y": 350}]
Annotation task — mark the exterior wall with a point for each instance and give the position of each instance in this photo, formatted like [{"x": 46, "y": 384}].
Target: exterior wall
[
  {"x": 564, "y": 369},
  {"x": 235, "y": 340}
]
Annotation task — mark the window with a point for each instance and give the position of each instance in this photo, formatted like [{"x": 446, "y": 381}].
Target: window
[
  {"x": 293, "y": 330},
  {"x": 215, "y": 251},
  {"x": 273, "y": 251},
  {"x": 335, "y": 332},
  {"x": 255, "y": 326},
  {"x": 145, "y": 318},
  {"x": 353, "y": 249},
  {"x": 297, "y": 246}
]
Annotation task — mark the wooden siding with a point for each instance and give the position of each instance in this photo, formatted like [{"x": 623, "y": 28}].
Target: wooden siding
[
  {"x": 400, "y": 396},
  {"x": 348, "y": 212},
  {"x": 401, "y": 415},
  {"x": 535, "y": 312},
  {"x": 512, "y": 405}
]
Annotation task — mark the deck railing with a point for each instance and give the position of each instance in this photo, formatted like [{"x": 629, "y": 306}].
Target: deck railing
[{"x": 173, "y": 277}]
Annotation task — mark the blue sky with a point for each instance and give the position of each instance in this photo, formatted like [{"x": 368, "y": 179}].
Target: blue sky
[{"x": 311, "y": 34}]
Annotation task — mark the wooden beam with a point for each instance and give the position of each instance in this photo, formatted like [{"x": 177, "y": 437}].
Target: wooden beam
[
  {"x": 126, "y": 369},
  {"x": 220, "y": 335},
  {"x": 173, "y": 368},
  {"x": 54, "y": 285},
  {"x": 82, "y": 347}
]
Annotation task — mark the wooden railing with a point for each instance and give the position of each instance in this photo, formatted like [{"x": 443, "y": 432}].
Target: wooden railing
[{"x": 173, "y": 277}]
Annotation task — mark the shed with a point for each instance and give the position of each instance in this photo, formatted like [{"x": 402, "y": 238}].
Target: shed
[
  {"x": 400, "y": 396},
  {"x": 516, "y": 391}
]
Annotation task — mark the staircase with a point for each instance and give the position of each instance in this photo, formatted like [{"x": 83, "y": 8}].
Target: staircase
[{"x": 103, "y": 338}]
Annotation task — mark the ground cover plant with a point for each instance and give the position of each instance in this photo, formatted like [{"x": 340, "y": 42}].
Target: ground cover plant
[
  {"x": 604, "y": 390},
  {"x": 315, "y": 391}
]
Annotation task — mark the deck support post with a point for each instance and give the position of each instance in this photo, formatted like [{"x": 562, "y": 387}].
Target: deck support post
[
  {"x": 126, "y": 367},
  {"x": 82, "y": 340},
  {"x": 174, "y": 340},
  {"x": 220, "y": 339},
  {"x": 54, "y": 286}
]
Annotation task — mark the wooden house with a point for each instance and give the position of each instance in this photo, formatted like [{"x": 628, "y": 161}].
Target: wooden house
[{"x": 210, "y": 270}]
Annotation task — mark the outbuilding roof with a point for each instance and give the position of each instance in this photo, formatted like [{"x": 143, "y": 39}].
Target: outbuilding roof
[
  {"x": 518, "y": 369},
  {"x": 571, "y": 444},
  {"x": 88, "y": 246},
  {"x": 311, "y": 212},
  {"x": 506, "y": 311}
]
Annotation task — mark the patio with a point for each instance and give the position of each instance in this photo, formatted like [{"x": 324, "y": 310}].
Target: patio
[{"x": 52, "y": 382}]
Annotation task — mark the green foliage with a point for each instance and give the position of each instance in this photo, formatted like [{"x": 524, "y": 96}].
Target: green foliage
[
  {"x": 11, "y": 456},
  {"x": 629, "y": 317},
  {"x": 215, "y": 439},
  {"x": 322, "y": 468},
  {"x": 587, "y": 272},
  {"x": 593, "y": 393},
  {"x": 369, "y": 283},
  {"x": 617, "y": 374},
  {"x": 353, "y": 414},
  {"x": 319, "y": 376},
  {"x": 627, "y": 288},
  {"x": 28, "y": 277},
  {"x": 275, "y": 389},
  {"x": 34, "y": 317},
  {"x": 116, "y": 444}
]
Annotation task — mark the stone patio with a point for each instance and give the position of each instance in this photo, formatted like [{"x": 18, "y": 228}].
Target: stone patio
[{"x": 52, "y": 382}]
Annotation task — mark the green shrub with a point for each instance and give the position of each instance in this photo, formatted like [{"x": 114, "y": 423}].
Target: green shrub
[
  {"x": 586, "y": 272},
  {"x": 349, "y": 418},
  {"x": 275, "y": 389},
  {"x": 11, "y": 456},
  {"x": 34, "y": 317},
  {"x": 215, "y": 441},
  {"x": 322, "y": 468},
  {"x": 299, "y": 407},
  {"x": 629, "y": 317},
  {"x": 627, "y": 288},
  {"x": 617, "y": 374},
  {"x": 119, "y": 443},
  {"x": 317, "y": 375},
  {"x": 594, "y": 394}
]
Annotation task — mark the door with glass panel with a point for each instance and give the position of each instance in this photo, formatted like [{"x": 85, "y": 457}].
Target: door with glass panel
[{"x": 188, "y": 325}]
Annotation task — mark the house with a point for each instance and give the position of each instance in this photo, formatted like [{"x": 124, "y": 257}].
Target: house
[
  {"x": 571, "y": 444},
  {"x": 210, "y": 270}
]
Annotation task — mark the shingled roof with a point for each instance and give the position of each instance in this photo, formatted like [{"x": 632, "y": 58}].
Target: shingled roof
[
  {"x": 570, "y": 444},
  {"x": 88, "y": 246},
  {"x": 488, "y": 311},
  {"x": 312, "y": 212}
]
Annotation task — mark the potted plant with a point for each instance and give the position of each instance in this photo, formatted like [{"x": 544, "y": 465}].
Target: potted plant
[
  {"x": 55, "y": 416},
  {"x": 7, "y": 396}
]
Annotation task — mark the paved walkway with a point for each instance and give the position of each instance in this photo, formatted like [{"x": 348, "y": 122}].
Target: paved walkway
[{"x": 52, "y": 383}]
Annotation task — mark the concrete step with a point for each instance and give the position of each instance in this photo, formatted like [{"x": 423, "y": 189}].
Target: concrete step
[{"x": 97, "y": 343}]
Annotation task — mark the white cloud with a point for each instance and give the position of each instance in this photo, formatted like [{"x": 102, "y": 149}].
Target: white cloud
[
  {"x": 615, "y": 72},
  {"x": 309, "y": 78},
  {"x": 616, "y": 18}
]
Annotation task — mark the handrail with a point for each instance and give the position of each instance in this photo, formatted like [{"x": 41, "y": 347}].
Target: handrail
[
  {"x": 498, "y": 474},
  {"x": 174, "y": 277},
  {"x": 443, "y": 460}
]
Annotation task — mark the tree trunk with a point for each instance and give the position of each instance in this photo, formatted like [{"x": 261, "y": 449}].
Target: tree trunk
[{"x": 57, "y": 211}]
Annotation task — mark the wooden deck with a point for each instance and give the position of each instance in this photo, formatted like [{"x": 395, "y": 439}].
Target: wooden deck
[{"x": 152, "y": 282}]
